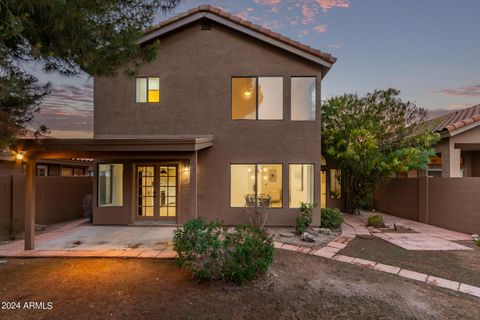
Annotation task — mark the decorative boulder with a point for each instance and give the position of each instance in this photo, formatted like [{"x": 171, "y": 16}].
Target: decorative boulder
[
  {"x": 287, "y": 234},
  {"x": 325, "y": 231},
  {"x": 307, "y": 237}
]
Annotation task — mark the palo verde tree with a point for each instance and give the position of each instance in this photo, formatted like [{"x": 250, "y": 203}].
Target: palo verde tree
[
  {"x": 372, "y": 136},
  {"x": 68, "y": 37}
]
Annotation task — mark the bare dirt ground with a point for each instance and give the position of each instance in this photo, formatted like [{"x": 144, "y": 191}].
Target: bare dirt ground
[
  {"x": 297, "y": 287},
  {"x": 462, "y": 266}
]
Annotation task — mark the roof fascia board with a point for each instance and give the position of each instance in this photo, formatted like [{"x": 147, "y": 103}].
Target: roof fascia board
[
  {"x": 464, "y": 128},
  {"x": 255, "y": 34}
]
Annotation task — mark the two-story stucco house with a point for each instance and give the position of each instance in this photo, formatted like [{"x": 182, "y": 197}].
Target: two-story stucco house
[{"x": 226, "y": 109}]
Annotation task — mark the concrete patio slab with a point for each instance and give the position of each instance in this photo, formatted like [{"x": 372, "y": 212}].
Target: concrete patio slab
[
  {"x": 109, "y": 238},
  {"x": 420, "y": 241}
]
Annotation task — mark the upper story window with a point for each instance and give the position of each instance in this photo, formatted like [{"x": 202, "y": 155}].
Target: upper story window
[
  {"x": 257, "y": 98},
  {"x": 303, "y": 98},
  {"x": 148, "y": 90}
]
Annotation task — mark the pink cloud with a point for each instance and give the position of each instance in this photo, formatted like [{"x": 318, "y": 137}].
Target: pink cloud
[
  {"x": 337, "y": 45},
  {"x": 321, "y": 28},
  {"x": 267, "y": 2},
  {"x": 309, "y": 14},
  {"x": 329, "y": 4},
  {"x": 465, "y": 91}
]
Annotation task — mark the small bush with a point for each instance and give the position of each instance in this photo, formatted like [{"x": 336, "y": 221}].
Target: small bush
[
  {"x": 212, "y": 251},
  {"x": 477, "y": 242},
  {"x": 256, "y": 208},
  {"x": 375, "y": 220},
  {"x": 331, "y": 218},
  {"x": 304, "y": 219}
]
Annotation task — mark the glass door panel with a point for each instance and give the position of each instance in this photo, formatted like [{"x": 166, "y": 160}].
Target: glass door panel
[
  {"x": 323, "y": 188},
  {"x": 168, "y": 191},
  {"x": 146, "y": 191}
]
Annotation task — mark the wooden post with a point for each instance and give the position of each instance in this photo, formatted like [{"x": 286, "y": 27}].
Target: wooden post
[{"x": 30, "y": 203}]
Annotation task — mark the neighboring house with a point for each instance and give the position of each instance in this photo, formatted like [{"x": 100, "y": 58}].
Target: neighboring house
[
  {"x": 226, "y": 109},
  {"x": 458, "y": 153}
]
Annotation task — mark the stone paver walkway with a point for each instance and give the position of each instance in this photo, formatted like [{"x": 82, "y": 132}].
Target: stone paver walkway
[{"x": 420, "y": 241}]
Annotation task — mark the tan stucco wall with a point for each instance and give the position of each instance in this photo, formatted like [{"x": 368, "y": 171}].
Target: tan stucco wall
[
  {"x": 451, "y": 203},
  {"x": 195, "y": 69},
  {"x": 11, "y": 168},
  {"x": 398, "y": 197},
  {"x": 58, "y": 199}
]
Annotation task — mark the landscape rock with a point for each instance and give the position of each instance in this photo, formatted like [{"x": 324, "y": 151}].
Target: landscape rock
[
  {"x": 325, "y": 231},
  {"x": 3, "y": 261},
  {"x": 287, "y": 234},
  {"x": 475, "y": 237},
  {"x": 307, "y": 237},
  {"x": 40, "y": 227}
]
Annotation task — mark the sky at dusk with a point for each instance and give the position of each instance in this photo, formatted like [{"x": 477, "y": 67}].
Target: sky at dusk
[{"x": 429, "y": 49}]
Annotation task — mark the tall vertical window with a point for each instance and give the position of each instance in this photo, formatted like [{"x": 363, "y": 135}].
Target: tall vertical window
[
  {"x": 148, "y": 90},
  {"x": 335, "y": 186},
  {"x": 110, "y": 185},
  {"x": 301, "y": 184},
  {"x": 303, "y": 93},
  {"x": 258, "y": 180},
  {"x": 257, "y": 98}
]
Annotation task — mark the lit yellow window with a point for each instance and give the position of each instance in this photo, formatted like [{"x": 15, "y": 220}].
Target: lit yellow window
[
  {"x": 148, "y": 90},
  {"x": 153, "y": 90}
]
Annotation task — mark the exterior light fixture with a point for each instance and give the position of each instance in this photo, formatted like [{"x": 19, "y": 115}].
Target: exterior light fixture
[
  {"x": 186, "y": 168},
  {"x": 20, "y": 155}
]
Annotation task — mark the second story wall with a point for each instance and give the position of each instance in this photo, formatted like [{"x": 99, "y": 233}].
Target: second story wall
[{"x": 195, "y": 68}]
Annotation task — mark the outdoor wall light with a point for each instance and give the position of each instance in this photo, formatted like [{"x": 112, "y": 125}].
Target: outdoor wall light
[
  {"x": 186, "y": 168},
  {"x": 20, "y": 155}
]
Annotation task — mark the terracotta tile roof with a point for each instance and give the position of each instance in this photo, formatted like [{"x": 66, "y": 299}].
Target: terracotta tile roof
[
  {"x": 219, "y": 12},
  {"x": 456, "y": 119}
]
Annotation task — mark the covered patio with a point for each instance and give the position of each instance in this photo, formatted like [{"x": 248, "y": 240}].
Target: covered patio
[
  {"x": 178, "y": 150},
  {"x": 79, "y": 238}
]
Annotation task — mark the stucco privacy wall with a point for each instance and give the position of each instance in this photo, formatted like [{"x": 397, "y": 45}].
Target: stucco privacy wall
[
  {"x": 398, "y": 197},
  {"x": 195, "y": 69},
  {"x": 58, "y": 199},
  {"x": 452, "y": 203}
]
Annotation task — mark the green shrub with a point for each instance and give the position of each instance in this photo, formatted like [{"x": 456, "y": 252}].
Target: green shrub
[
  {"x": 375, "y": 220},
  {"x": 212, "y": 251},
  {"x": 331, "y": 218},
  {"x": 477, "y": 242},
  {"x": 304, "y": 218}
]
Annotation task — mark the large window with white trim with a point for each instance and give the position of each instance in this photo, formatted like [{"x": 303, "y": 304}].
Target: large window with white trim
[
  {"x": 255, "y": 180},
  {"x": 303, "y": 95},
  {"x": 257, "y": 98}
]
